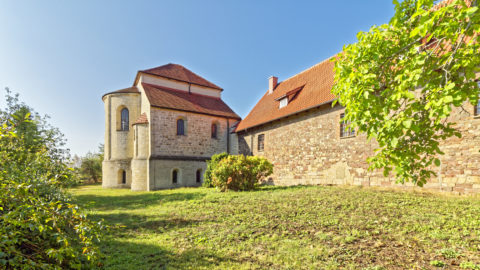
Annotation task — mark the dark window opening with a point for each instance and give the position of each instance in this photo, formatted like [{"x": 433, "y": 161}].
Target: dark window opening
[
  {"x": 214, "y": 131},
  {"x": 124, "y": 177},
  {"x": 476, "y": 110},
  {"x": 175, "y": 176},
  {"x": 180, "y": 127},
  {"x": 124, "y": 119},
  {"x": 199, "y": 176},
  {"x": 261, "y": 142},
  {"x": 345, "y": 131}
]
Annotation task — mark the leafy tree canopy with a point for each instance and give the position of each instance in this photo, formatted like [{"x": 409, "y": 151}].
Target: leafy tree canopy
[
  {"x": 40, "y": 228},
  {"x": 401, "y": 80}
]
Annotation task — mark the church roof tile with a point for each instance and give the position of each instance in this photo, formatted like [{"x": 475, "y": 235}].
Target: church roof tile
[{"x": 167, "y": 98}]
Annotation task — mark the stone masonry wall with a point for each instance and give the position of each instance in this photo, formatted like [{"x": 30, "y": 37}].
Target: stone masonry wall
[
  {"x": 197, "y": 141},
  {"x": 307, "y": 149},
  {"x": 161, "y": 173}
]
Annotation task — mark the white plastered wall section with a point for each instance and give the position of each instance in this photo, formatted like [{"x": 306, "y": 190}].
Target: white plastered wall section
[{"x": 178, "y": 85}]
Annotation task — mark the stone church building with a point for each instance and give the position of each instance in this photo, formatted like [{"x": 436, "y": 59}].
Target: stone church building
[{"x": 160, "y": 131}]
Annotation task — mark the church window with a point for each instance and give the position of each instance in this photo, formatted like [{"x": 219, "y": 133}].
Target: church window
[
  {"x": 345, "y": 131},
  {"x": 123, "y": 177},
  {"x": 214, "y": 130},
  {"x": 180, "y": 127},
  {"x": 175, "y": 176},
  {"x": 476, "y": 110},
  {"x": 124, "y": 119},
  {"x": 261, "y": 142},
  {"x": 199, "y": 176}
]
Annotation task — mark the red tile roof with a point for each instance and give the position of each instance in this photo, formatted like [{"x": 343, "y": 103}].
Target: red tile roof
[
  {"x": 132, "y": 89},
  {"x": 141, "y": 120},
  {"x": 179, "y": 73},
  {"x": 168, "y": 98},
  {"x": 308, "y": 89}
]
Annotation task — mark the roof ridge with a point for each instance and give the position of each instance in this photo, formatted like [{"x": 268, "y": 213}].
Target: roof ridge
[{"x": 180, "y": 73}]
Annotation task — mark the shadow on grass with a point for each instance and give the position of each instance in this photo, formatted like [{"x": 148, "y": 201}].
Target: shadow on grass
[
  {"x": 128, "y": 255},
  {"x": 145, "y": 223},
  {"x": 133, "y": 201}
]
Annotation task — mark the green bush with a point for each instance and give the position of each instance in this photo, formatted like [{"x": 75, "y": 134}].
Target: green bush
[
  {"x": 239, "y": 172},
  {"x": 40, "y": 228},
  {"x": 212, "y": 163}
]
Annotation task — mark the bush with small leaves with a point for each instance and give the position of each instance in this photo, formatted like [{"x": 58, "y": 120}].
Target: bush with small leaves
[
  {"x": 239, "y": 172},
  {"x": 212, "y": 163}
]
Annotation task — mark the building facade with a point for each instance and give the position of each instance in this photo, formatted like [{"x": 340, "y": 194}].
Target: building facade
[
  {"x": 160, "y": 132},
  {"x": 295, "y": 127}
]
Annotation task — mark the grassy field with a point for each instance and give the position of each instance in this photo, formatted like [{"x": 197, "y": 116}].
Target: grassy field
[{"x": 286, "y": 228}]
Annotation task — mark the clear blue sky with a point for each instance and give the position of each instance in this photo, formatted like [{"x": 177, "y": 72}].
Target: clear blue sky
[{"x": 62, "y": 56}]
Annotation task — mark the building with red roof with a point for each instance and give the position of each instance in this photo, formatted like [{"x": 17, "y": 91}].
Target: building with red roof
[
  {"x": 295, "y": 126},
  {"x": 160, "y": 131}
]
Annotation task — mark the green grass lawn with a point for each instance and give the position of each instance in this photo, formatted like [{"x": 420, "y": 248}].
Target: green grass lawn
[{"x": 286, "y": 228}]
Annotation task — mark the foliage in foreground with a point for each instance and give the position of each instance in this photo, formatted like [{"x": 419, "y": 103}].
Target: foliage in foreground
[
  {"x": 212, "y": 163},
  {"x": 39, "y": 227},
  {"x": 239, "y": 172},
  {"x": 400, "y": 81},
  {"x": 286, "y": 228}
]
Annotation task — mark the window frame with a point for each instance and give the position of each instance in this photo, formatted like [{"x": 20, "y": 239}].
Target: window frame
[
  {"x": 198, "y": 176},
  {"x": 214, "y": 131},
  {"x": 181, "y": 128},
  {"x": 344, "y": 131},
  {"x": 476, "y": 108},
  {"x": 261, "y": 142},
  {"x": 124, "y": 119},
  {"x": 175, "y": 173},
  {"x": 283, "y": 102},
  {"x": 124, "y": 177}
]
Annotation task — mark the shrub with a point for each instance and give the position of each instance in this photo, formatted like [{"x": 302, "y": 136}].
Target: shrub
[
  {"x": 212, "y": 163},
  {"x": 40, "y": 228},
  {"x": 239, "y": 172}
]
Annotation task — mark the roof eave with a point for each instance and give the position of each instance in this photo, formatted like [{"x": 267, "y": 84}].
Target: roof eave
[
  {"x": 284, "y": 116},
  {"x": 115, "y": 92},
  {"x": 211, "y": 114}
]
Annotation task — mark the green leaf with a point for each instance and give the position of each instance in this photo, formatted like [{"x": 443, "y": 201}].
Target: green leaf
[
  {"x": 394, "y": 142},
  {"x": 407, "y": 123},
  {"x": 437, "y": 162}
]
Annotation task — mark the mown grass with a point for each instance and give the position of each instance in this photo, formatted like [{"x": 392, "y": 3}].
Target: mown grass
[{"x": 286, "y": 228}]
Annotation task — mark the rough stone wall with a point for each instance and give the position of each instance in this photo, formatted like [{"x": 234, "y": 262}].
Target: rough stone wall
[
  {"x": 197, "y": 141},
  {"x": 161, "y": 173},
  {"x": 307, "y": 149},
  {"x": 111, "y": 177}
]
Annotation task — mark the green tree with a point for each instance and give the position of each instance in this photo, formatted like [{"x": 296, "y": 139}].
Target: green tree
[
  {"x": 401, "y": 80},
  {"x": 91, "y": 166},
  {"x": 40, "y": 228}
]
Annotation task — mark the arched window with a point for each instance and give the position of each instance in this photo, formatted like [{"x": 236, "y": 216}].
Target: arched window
[
  {"x": 122, "y": 177},
  {"x": 124, "y": 119},
  {"x": 214, "y": 130},
  {"x": 180, "y": 127},
  {"x": 199, "y": 176},
  {"x": 175, "y": 176}
]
